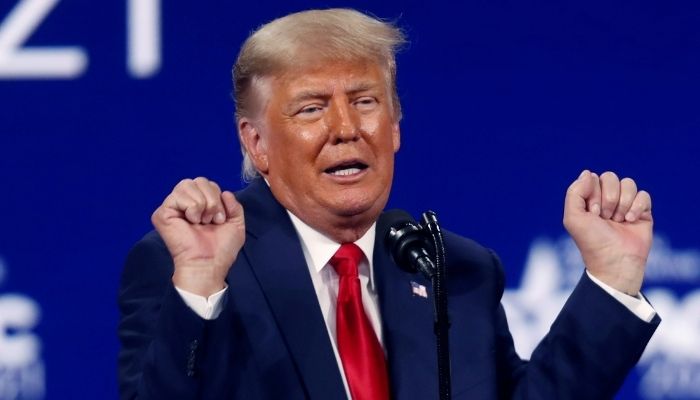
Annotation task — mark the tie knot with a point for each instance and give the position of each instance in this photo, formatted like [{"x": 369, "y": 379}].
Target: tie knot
[{"x": 346, "y": 259}]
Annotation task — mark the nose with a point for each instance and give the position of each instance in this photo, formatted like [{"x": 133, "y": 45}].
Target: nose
[{"x": 344, "y": 123}]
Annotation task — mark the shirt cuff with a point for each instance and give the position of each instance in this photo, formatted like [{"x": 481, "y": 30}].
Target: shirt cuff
[
  {"x": 636, "y": 304},
  {"x": 207, "y": 308}
]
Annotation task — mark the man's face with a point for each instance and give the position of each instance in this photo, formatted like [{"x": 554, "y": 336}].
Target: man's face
[{"x": 325, "y": 140}]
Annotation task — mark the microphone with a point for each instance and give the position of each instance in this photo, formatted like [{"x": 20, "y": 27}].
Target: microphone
[{"x": 407, "y": 243}]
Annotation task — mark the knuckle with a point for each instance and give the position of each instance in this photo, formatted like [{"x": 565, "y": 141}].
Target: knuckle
[
  {"x": 608, "y": 175},
  {"x": 627, "y": 181},
  {"x": 155, "y": 216},
  {"x": 214, "y": 185},
  {"x": 644, "y": 201},
  {"x": 184, "y": 182},
  {"x": 201, "y": 182}
]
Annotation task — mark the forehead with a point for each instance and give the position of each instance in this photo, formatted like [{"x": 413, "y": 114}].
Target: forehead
[
  {"x": 327, "y": 76},
  {"x": 341, "y": 71}
]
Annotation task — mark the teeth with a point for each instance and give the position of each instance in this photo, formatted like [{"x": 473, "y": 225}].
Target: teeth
[{"x": 345, "y": 172}]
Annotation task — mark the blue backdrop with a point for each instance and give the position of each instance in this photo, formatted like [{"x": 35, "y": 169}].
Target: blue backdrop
[{"x": 104, "y": 106}]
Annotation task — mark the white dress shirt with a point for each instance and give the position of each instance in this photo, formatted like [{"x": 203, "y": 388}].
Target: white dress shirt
[{"x": 318, "y": 250}]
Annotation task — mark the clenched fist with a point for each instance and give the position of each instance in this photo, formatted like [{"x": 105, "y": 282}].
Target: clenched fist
[
  {"x": 611, "y": 223},
  {"x": 204, "y": 230}
]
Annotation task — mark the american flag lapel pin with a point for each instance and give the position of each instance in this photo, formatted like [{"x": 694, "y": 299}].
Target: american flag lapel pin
[{"x": 419, "y": 290}]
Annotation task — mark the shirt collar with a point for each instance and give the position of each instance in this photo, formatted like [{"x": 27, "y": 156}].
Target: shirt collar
[{"x": 321, "y": 248}]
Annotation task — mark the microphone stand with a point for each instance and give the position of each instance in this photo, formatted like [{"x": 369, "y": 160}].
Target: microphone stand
[{"x": 442, "y": 321}]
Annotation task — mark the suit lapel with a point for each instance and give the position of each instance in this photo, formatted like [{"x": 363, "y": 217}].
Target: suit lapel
[
  {"x": 274, "y": 252},
  {"x": 407, "y": 325}
]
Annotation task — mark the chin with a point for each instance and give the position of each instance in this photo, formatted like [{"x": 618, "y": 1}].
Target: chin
[{"x": 362, "y": 207}]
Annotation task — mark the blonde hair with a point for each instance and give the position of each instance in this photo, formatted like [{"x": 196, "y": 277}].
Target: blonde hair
[{"x": 312, "y": 36}]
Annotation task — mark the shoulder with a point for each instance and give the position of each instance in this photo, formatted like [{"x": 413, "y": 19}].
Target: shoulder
[
  {"x": 465, "y": 251},
  {"x": 471, "y": 265}
]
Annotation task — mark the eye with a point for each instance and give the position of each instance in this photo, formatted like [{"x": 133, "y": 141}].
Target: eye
[
  {"x": 366, "y": 103},
  {"x": 310, "y": 110}
]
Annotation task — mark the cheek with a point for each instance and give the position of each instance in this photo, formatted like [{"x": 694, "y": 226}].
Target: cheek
[
  {"x": 300, "y": 146},
  {"x": 371, "y": 126},
  {"x": 380, "y": 133},
  {"x": 307, "y": 134}
]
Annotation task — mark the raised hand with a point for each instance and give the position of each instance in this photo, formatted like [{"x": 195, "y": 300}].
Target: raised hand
[
  {"x": 611, "y": 223},
  {"x": 204, "y": 230}
]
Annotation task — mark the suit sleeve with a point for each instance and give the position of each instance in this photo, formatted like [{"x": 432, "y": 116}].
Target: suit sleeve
[
  {"x": 591, "y": 346},
  {"x": 162, "y": 340}
]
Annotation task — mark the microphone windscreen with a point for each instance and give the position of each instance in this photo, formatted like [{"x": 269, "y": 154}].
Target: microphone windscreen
[
  {"x": 392, "y": 218},
  {"x": 402, "y": 238}
]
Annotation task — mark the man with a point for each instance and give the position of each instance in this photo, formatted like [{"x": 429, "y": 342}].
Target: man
[{"x": 249, "y": 296}]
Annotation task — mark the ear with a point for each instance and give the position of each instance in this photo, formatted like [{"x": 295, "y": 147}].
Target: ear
[
  {"x": 254, "y": 143},
  {"x": 396, "y": 136}
]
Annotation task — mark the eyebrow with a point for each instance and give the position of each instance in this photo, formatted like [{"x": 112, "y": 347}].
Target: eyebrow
[
  {"x": 360, "y": 87},
  {"x": 321, "y": 94},
  {"x": 310, "y": 94}
]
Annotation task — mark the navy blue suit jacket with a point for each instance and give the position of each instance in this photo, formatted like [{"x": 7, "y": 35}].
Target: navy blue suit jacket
[{"x": 270, "y": 342}]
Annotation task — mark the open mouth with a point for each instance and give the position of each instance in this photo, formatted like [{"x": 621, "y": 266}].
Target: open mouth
[{"x": 346, "y": 169}]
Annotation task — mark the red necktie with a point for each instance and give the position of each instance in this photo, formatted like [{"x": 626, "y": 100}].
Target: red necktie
[{"x": 360, "y": 351}]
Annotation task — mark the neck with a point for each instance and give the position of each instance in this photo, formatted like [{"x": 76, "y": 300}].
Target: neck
[{"x": 341, "y": 229}]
